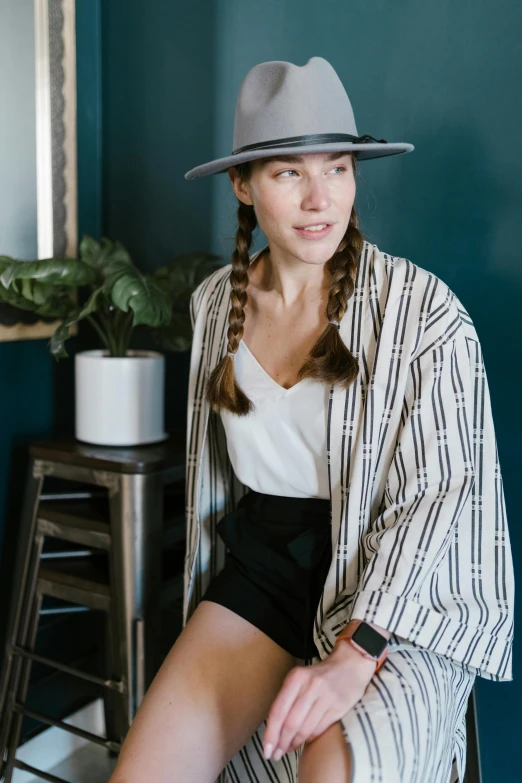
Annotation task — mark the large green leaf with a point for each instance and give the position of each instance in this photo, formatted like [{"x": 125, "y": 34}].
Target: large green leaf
[
  {"x": 35, "y": 294},
  {"x": 159, "y": 301},
  {"x": 5, "y": 261},
  {"x": 178, "y": 279},
  {"x": 56, "y": 343},
  {"x": 100, "y": 255},
  {"x": 176, "y": 336},
  {"x": 92, "y": 302},
  {"x": 57, "y": 306},
  {"x": 52, "y": 271},
  {"x": 181, "y": 276},
  {"x": 43, "y": 300},
  {"x": 34, "y": 291},
  {"x": 131, "y": 289},
  {"x": 62, "y": 333},
  {"x": 15, "y": 299}
]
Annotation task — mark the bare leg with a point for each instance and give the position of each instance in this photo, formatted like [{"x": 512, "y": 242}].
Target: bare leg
[
  {"x": 327, "y": 759},
  {"x": 213, "y": 690}
]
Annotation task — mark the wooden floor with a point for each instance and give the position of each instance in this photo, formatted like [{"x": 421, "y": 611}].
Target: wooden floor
[
  {"x": 91, "y": 764},
  {"x": 66, "y": 755}
]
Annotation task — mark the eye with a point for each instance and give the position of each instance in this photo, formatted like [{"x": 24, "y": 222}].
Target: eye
[{"x": 342, "y": 168}]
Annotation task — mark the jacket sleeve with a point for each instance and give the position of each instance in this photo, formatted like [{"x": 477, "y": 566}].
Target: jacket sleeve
[
  {"x": 192, "y": 311},
  {"x": 199, "y": 295},
  {"x": 196, "y": 299},
  {"x": 439, "y": 569}
]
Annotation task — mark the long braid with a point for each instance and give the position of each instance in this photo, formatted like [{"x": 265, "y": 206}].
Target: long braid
[
  {"x": 329, "y": 360},
  {"x": 222, "y": 387}
]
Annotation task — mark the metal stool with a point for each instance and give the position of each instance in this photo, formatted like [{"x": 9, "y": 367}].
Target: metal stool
[{"x": 133, "y": 542}]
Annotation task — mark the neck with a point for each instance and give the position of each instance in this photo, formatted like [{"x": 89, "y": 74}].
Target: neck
[{"x": 291, "y": 280}]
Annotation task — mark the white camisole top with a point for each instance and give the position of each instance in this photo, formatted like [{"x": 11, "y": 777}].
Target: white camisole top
[{"x": 279, "y": 448}]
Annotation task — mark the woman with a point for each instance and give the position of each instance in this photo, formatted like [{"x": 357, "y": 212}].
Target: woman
[{"x": 342, "y": 480}]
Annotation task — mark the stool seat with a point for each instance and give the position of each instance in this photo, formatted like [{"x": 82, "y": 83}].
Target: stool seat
[
  {"x": 169, "y": 455},
  {"x": 117, "y": 548}
]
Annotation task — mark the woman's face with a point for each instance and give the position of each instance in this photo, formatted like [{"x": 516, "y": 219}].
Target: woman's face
[{"x": 313, "y": 188}]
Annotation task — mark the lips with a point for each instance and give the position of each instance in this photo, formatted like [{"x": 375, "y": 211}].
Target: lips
[
  {"x": 311, "y": 225},
  {"x": 314, "y": 234}
]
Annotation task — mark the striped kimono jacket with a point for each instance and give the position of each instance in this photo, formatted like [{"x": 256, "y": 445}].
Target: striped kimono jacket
[{"x": 420, "y": 540}]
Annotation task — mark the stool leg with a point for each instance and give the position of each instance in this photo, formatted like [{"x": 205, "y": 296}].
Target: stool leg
[
  {"x": 114, "y": 704},
  {"x": 18, "y": 693},
  {"x": 24, "y": 586},
  {"x": 24, "y": 551},
  {"x": 136, "y": 510}
]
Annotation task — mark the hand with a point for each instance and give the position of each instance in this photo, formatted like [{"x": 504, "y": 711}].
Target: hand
[{"x": 313, "y": 697}]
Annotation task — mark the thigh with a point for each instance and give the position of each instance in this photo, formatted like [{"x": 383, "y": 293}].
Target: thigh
[
  {"x": 211, "y": 693},
  {"x": 410, "y": 723}
]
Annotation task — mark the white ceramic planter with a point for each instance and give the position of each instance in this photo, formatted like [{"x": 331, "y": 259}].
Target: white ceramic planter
[{"x": 120, "y": 401}]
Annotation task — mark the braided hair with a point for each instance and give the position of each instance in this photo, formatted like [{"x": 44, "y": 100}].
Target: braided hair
[{"x": 329, "y": 359}]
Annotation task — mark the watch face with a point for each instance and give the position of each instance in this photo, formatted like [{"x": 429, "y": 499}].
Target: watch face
[{"x": 369, "y": 639}]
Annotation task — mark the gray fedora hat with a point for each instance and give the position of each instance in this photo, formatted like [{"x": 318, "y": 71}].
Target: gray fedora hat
[{"x": 288, "y": 109}]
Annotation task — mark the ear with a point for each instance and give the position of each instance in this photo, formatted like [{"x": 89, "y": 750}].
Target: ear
[{"x": 240, "y": 188}]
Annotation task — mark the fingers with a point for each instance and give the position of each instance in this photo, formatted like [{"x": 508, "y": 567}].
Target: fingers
[
  {"x": 294, "y": 713},
  {"x": 280, "y": 708},
  {"x": 305, "y": 712},
  {"x": 309, "y": 729}
]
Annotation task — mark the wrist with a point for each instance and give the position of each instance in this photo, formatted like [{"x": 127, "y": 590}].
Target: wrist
[
  {"x": 366, "y": 639},
  {"x": 347, "y": 655}
]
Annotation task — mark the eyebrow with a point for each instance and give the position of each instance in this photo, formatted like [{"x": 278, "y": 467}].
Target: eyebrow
[{"x": 300, "y": 159}]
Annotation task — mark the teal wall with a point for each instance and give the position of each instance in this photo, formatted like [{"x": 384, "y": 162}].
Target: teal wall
[
  {"x": 89, "y": 115},
  {"x": 158, "y": 107},
  {"x": 157, "y": 85}
]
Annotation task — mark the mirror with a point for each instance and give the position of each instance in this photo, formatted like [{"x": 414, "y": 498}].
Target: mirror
[{"x": 38, "y": 201}]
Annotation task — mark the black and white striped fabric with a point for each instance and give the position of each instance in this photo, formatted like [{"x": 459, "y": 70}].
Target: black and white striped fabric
[
  {"x": 408, "y": 728},
  {"x": 419, "y": 531}
]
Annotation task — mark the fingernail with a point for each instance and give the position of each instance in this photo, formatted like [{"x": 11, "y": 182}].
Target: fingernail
[
  {"x": 268, "y": 750},
  {"x": 278, "y": 754}
]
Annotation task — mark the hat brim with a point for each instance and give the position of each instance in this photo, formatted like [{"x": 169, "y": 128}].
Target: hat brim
[{"x": 365, "y": 152}]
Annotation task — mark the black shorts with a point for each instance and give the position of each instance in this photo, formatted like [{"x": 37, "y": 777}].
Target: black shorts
[{"x": 279, "y": 553}]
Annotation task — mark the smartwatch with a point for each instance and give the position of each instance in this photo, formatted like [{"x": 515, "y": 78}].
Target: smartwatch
[{"x": 369, "y": 642}]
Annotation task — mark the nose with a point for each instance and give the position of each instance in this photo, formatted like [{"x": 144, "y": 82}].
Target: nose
[{"x": 316, "y": 195}]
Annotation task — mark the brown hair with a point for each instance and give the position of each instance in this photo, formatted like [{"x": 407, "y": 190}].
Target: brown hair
[{"x": 329, "y": 359}]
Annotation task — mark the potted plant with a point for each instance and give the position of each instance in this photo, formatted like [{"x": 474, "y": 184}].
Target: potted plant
[{"x": 119, "y": 391}]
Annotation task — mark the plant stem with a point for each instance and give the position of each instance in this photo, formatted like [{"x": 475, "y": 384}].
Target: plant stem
[
  {"x": 117, "y": 332},
  {"x": 120, "y": 328},
  {"x": 127, "y": 329},
  {"x": 100, "y": 331},
  {"x": 106, "y": 320}
]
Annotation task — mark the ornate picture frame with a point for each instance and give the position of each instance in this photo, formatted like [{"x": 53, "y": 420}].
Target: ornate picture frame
[{"x": 56, "y": 153}]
